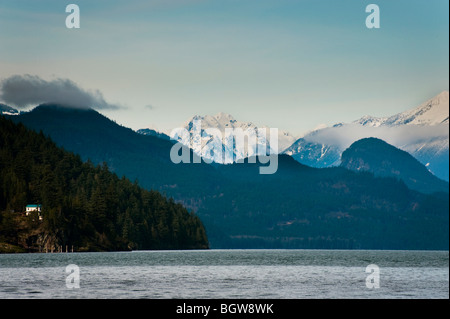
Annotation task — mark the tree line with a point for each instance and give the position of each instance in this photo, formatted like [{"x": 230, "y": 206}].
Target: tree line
[{"x": 83, "y": 205}]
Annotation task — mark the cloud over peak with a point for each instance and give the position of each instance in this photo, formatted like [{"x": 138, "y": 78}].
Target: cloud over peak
[{"x": 30, "y": 90}]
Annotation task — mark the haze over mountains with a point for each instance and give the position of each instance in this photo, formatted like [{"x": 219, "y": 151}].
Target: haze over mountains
[
  {"x": 422, "y": 131},
  {"x": 297, "y": 207}
]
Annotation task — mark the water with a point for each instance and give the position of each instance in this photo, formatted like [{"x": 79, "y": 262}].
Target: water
[{"x": 227, "y": 274}]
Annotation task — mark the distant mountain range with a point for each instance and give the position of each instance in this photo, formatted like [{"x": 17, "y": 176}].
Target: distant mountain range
[
  {"x": 204, "y": 143},
  {"x": 423, "y": 132},
  {"x": 297, "y": 207}
]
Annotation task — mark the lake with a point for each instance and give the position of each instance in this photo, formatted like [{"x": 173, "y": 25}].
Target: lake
[{"x": 227, "y": 274}]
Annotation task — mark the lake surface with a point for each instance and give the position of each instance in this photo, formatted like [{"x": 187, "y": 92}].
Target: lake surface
[{"x": 227, "y": 274}]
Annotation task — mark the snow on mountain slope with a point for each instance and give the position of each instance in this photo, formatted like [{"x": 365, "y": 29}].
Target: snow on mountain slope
[
  {"x": 421, "y": 131},
  {"x": 432, "y": 112},
  {"x": 314, "y": 154},
  {"x": 206, "y": 143}
]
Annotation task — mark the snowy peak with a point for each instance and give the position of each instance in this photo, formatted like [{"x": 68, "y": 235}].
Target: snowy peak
[
  {"x": 421, "y": 131},
  {"x": 432, "y": 112},
  {"x": 224, "y": 118},
  {"x": 222, "y": 122},
  {"x": 372, "y": 121}
]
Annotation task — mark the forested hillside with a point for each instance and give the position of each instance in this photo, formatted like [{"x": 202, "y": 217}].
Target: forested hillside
[
  {"x": 328, "y": 208},
  {"x": 84, "y": 205},
  {"x": 382, "y": 159},
  {"x": 297, "y": 207},
  {"x": 127, "y": 153}
]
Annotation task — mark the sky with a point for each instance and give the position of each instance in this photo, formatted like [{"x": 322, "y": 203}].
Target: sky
[{"x": 289, "y": 64}]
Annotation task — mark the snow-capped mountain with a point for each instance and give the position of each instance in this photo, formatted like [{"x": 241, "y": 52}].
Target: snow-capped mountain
[
  {"x": 422, "y": 131},
  {"x": 211, "y": 137},
  {"x": 432, "y": 112},
  {"x": 314, "y": 154}
]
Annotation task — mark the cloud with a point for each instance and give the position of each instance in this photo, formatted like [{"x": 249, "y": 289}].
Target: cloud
[
  {"x": 402, "y": 135},
  {"x": 30, "y": 90}
]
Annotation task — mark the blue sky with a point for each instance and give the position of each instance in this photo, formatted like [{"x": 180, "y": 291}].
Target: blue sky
[{"x": 285, "y": 64}]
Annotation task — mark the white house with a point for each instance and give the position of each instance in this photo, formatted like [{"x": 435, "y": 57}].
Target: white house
[{"x": 34, "y": 208}]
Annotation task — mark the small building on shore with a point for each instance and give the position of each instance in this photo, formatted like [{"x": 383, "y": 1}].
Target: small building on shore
[{"x": 34, "y": 208}]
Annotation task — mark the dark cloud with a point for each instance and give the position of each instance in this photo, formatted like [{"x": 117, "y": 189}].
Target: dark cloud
[{"x": 30, "y": 90}]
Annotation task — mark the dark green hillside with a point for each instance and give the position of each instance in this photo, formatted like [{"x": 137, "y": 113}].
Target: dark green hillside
[
  {"x": 127, "y": 153},
  {"x": 304, "y": 207},
  {"x": 382, "y": 159},
  {"x": 84, "y": 205}
]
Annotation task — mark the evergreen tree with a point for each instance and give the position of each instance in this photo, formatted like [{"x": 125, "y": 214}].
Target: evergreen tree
[{"x": 83, "y": 205}]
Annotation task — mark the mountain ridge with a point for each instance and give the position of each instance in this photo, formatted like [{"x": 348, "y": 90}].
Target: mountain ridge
[
  {"x": 432, "y": 112},
  {"x": 384, "y": 160},
  {"x": 83, "y": 205},
  {"x": 421, "y": 131},
  {"x": 99, "y": 139},
  {"x": 297, "y": 207},
  {"x": 204, "y": 143}
]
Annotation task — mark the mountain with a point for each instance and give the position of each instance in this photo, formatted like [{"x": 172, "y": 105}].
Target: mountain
[
  {"x": 304, "y": 207},
  {"x": 206, "y": 143},
  {"x": 149, "y": 131},
  {"x": 432, "y": 112},
  {"x": 83, "y": 205},
  {"x": 421, "y": 131},
  {"x": 314, "y": 154},
  {"x": 96, "y": 138},
  {"x": 7, "y": 110},
  {"x": 296, "y": 207},
  {"x": 382, "y": 159}
]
